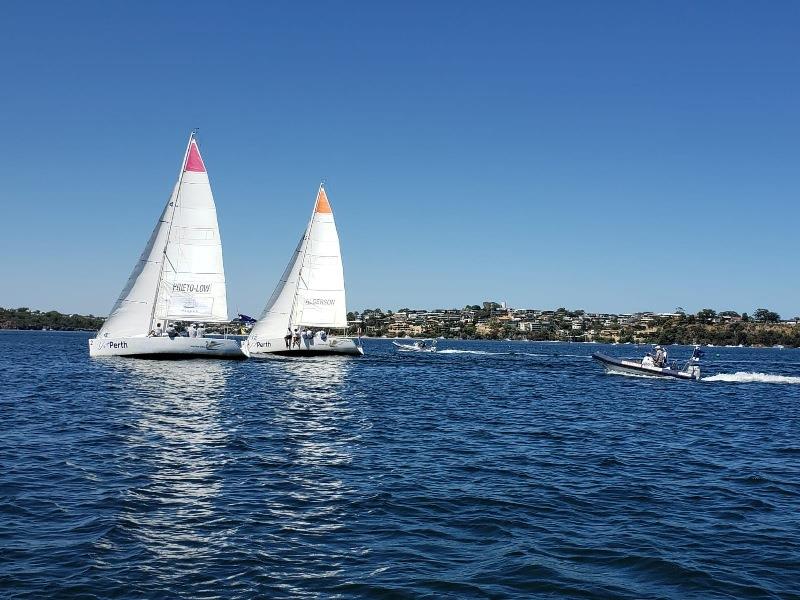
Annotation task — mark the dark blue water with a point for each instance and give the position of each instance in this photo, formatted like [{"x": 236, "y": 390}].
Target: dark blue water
[{"x": 496, "y": 470}]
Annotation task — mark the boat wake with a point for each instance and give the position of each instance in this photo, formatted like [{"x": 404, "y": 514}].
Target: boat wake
[
  {"x": 750, "y": 377},
  {"x": 453, "y": 351},
  {"x": 485, "y": 353}
]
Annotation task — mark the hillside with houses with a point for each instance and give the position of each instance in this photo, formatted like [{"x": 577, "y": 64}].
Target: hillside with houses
[{"x": 493, "y": 320}]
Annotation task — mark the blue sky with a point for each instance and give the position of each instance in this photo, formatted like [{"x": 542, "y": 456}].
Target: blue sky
[{"x": 605, "y": 156}]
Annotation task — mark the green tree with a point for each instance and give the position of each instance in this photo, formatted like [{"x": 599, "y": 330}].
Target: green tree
[
  {"x": 763, "y": 315},
  {"x": 707, "y": 315}
]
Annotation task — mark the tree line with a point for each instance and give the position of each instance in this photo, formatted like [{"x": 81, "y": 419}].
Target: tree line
[{"x": 25, "y": 318}]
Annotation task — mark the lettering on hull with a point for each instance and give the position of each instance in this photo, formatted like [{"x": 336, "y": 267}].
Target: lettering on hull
[{"x": 112, "y": 345}]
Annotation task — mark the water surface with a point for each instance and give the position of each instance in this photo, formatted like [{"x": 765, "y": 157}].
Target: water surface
[{"x": 487, "y": 470}]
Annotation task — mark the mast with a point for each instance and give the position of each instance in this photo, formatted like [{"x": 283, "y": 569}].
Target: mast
[{"x": 174, "y": 202}]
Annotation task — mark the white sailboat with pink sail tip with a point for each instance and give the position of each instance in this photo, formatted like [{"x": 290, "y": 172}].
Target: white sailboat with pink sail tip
[
  {"x": 306, "y": 314},
  {"x": 179, "y": 277}
]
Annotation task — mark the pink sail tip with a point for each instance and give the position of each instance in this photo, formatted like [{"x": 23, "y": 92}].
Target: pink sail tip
[{"x": 193, "y": 161}]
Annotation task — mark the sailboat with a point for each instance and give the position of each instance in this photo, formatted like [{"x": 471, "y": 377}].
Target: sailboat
[
  {"x": 308, "y": 304},
  {"x": 179, "y": 277}
]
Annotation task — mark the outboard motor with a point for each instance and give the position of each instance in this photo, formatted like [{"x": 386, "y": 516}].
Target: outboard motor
[
  {"x": 694, "y": 370},
  {"x": 693, "y": 367}
]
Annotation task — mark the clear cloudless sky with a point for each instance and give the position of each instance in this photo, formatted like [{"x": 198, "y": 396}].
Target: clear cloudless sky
[{"x": 611, "y": 156}]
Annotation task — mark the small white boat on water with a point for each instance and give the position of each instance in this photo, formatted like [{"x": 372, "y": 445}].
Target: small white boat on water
[
  {"x": 179, "y": 277},
  {"x": 308, "y": 304},
  {"x": 418, "y": 346},
  {"x": 647, "y": 367}
]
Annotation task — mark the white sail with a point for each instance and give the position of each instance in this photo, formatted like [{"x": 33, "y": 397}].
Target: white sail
[
  {"x": 180, "y": 275},
  {"x": 311, "y": 290},
  {"x": 276, "y": 317},
  {"x": 320, "y": 298}
]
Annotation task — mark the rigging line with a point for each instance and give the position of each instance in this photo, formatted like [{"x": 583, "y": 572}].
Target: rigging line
[
  {"x": 174, "y": 203},
  {"x": 307, "y": 241},
  {"x": 171, "y": 264}
]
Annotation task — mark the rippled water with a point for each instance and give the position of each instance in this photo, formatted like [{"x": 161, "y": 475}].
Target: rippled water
[{"x": 486, "y": 470}]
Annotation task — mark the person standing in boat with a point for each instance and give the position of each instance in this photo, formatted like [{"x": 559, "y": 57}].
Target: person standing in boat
[
  {"x": 660, "y": 359},
  {"x": 201, "y": 330},
  {"x": 296, "y": 337},
  {"x": 192, "y": 330},
  {"x": 288, "y": 338}
]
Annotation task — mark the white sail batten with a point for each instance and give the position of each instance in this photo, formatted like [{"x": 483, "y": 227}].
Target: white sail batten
[
  {"x": 311, "y": 290},
  {"x": 180, "y": 274}
]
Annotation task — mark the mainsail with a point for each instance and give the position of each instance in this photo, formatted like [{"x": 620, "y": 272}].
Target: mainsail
[
  {"x": 311, "y": 290},
  {"x": 180, "y": 275}
]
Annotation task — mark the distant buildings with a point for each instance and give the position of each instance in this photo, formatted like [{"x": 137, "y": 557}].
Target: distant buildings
[{"x": 493, "y": 320}]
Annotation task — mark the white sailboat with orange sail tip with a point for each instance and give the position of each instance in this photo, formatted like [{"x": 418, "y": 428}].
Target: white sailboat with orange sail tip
[
  {"x": 179, "y": 277},
  {"x": 307, "y": 308}
]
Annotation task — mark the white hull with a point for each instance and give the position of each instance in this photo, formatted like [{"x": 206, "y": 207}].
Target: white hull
[
  {"x": 637, "y": 369},
  {"x": 634, "y": 372},
  {"x": 166, "y": 347},
  {"x": 312, "y": 347}
]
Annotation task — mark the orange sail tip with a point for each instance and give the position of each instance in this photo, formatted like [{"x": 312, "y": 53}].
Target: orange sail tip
[
  {"x": 323, "y": 206},
  {"x": 193, "y": 161}
]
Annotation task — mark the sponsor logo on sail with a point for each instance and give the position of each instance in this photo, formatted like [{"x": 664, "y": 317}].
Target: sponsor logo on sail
[
  {"x": 192, "y": 288},
  {"x": 320, "y": 301}
]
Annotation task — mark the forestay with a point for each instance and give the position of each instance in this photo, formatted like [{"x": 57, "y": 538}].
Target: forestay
[{"x": 180, "y": 274}]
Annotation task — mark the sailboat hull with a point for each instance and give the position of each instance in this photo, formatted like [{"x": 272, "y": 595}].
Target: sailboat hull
[
  {"x": 166, "y": 348},
  {"x": 313, "y": 347}
]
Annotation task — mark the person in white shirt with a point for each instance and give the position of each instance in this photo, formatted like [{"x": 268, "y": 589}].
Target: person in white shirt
[
  {"x": 158, "y": 332},
  {"x": 200, "y": 331},
  {"x": 660, "y": 359},
  {"x": 192, "y": 330}
]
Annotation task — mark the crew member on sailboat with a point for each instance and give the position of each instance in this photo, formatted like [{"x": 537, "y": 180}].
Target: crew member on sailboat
[
  {"x": 179, "y": 277},
  {"x": 310, "y": 295}
]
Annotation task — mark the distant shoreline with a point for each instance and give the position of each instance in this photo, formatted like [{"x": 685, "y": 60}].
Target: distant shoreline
[{"x": 496, "y": 322}]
